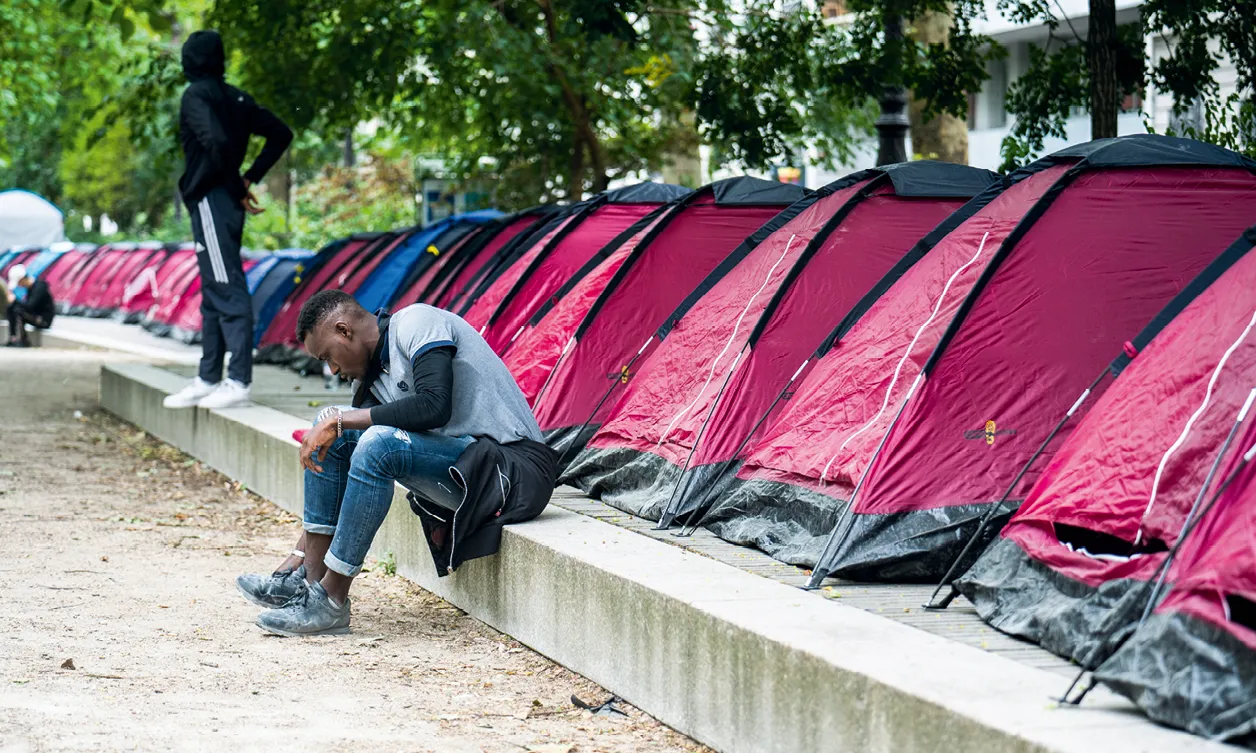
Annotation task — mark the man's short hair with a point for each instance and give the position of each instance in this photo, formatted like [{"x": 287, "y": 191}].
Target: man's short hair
[{"x": 321, "y": 305}]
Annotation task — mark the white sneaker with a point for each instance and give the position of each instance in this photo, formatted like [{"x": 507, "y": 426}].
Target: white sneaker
[
  {"x": 190, "y": 395},
  {"x": 229, "y": 394}
]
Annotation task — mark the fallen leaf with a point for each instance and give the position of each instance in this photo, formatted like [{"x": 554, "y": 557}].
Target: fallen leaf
[
  {"x": 68, "y": 664},
  {"x": 104, "y": 558}
]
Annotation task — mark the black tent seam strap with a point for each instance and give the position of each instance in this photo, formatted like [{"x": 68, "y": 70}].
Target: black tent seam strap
[
  {"x": 597, "y": 259},
  {"x": 757, "y": 237},
  {"x": 613, "y": 284},
  {"x": 809, "y": 253},
  {"x": 1204, "y": 280},
  {"x": 491, "y": 231},
  {"x": 591, "y": 206},
  {"x": 484, "y": 278},
  {"x": 1013, "y": 238},
  {"x": 919, "y": 250}
]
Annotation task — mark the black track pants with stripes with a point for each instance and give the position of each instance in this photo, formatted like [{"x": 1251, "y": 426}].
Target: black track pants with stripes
[{"x": 226, "y": 309}]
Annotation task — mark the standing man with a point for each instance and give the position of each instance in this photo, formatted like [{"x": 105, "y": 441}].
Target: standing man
[{"x": 215, "y": 123}]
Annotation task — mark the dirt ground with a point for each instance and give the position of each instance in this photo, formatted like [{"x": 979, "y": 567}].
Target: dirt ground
[{"x": 121, "y": 628}]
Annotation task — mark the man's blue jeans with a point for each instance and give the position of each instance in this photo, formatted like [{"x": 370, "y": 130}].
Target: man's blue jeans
[{"x": 350, "y": 498}]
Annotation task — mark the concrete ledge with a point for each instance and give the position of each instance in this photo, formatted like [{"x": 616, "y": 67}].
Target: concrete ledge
[{"x": 736, "y": 661}]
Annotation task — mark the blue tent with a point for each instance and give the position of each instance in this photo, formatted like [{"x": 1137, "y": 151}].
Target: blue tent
[
  {"x": 274, "y": 278},
  {"x": 380, "y": 287}
]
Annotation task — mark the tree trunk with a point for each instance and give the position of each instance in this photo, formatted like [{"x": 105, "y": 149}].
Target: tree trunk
[
  {"x": 943, "y": 137},
  {"x": 1101, "y": 46},
  {"x": 575, "y": 172},
  {"x": 576, "y": 105},
  {"x": 350, "y": 159}
]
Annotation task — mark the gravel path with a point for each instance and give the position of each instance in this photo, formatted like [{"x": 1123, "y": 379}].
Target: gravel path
[{"x": 122, "y": 630}]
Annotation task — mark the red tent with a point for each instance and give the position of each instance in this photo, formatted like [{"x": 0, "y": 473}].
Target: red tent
[
  {"x": 109, "y": 297},
  {"x": 173, "y": 293},
  {"x": 447, "y": 293},
  {"x": 69, "y": 265},
  {"x": 664, "y": 265},
  {"x": 1192, "y": 663},
  {"x": 72, "y": 280},
  {"x": 362, "y": 251},
  {"x": 929, "y": 404},
  {"x": 514, "y": 296},
  {"x": 727, "y": 351},
  {"x": 1117, "y": 494},
  {"x": 543, "y": 341},
  {"x": 184, "y": 321},
  {"x": 92, "y": 278},
  {"x": 145, "y": 289}
]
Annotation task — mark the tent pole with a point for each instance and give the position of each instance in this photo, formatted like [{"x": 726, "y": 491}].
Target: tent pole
[
  {"x": 844, "y": 524},
  {"x": 668, "y": 515},
  {"x": 933, "y": 605},
  {"x": 701, "y": 512},
  {"x": 1192, "y": 520}
]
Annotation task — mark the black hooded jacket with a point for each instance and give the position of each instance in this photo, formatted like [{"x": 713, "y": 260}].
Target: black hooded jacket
[{"x": 215, "y": 123}]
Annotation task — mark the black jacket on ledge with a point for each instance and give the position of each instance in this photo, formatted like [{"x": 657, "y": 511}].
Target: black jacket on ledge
[{"x": 500, "y": 483}]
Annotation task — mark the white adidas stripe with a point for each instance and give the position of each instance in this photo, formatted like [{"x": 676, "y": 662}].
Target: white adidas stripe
[{"x": 211, "y": 242}]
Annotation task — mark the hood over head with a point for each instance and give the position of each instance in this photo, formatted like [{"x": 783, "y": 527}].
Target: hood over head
[{"x": 203, "y": 56}]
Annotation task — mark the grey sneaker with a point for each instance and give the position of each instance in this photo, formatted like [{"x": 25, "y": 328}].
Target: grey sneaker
[
  {"x": 308, "y": 613},
  {"x": 273, "y": 590}
]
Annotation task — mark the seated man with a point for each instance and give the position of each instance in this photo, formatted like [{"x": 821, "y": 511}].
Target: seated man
[
  {"x": 37, "y": 310},
  {"x": 435, "y": 409}
]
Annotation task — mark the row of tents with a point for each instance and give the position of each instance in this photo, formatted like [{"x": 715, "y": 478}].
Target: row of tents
[{"x": 1032, "y": 386}]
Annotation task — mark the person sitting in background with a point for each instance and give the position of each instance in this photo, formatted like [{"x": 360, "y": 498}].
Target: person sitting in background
[
  {"x": 434, "y": 409},
  {"x": 37, "y": 310}
]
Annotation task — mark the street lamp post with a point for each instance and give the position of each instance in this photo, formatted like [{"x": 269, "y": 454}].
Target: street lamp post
[{"x": 893, "y": 125}]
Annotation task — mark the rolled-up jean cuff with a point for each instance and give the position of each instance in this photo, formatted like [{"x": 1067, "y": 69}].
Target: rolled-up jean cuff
[
  {"x": 321, "y": 530},
  {"x": 337, "y": 565}
]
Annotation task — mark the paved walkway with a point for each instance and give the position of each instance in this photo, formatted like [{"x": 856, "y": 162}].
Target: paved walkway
[{"x": 121, "y": 628}]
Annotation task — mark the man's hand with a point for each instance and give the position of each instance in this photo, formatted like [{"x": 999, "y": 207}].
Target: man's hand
[
  {"x": 250, "y": 201},
  {"x": 317, "y": 442}
]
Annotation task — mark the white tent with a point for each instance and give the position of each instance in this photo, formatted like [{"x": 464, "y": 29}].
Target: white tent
[{"x": 27, "y": 219}]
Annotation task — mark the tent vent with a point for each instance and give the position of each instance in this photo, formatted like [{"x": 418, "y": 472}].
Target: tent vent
[
  {"x": 1241, "y": 611},
  {"x": 1105, "y": 545}
]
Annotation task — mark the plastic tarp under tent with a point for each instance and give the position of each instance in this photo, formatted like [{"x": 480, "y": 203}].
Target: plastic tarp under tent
[
  {"x": 509, "y": 300},
  {"x": 27, "y": 219},
  {"x": 716, "y": 366},
  {"x": 1070, "y": 568},
  {"x": 926, "y": 407},
  {"x": 620, "y": 304}
]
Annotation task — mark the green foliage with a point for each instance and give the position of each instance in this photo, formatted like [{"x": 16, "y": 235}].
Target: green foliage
[
  {"x": 765, "y": 91},
  {"x": 1189, "y": 72},
  {"x": 338, "y": 202}
]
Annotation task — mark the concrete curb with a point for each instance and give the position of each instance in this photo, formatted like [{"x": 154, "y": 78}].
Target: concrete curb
[{"x": 736, "y": 661}]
